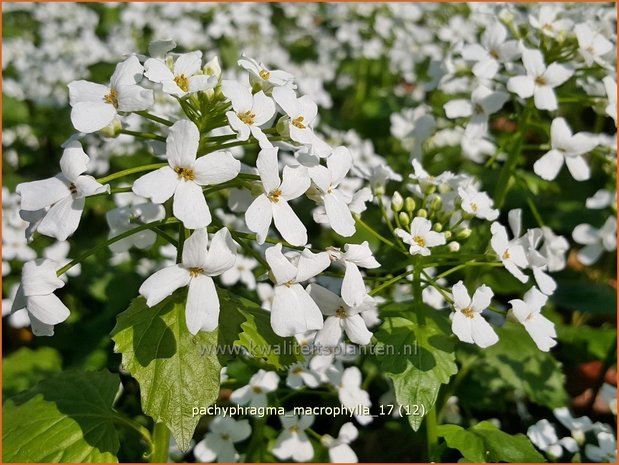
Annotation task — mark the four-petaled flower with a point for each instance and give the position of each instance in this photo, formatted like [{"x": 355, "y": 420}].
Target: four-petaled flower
[
  {"x": 467, "y": 322},
  {"x": 528, "y": 312},
  {"x": 421, "y": 237}
]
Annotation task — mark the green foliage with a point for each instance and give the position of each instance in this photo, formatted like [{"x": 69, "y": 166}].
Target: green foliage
[
  {"x": 25, "y": 367},
  {"x": 515, "y": 363},
  {"x": 67, "y": 418},
  {"x": 484, "y": 442},
  {"x": 176, "y": 371},
  {"x": 415, "y": 351}
]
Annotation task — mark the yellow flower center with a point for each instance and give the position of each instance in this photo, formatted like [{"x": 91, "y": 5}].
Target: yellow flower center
[
  {"x": 468, "y": 312},
  {"x": 182, "y": 81},
  {"x": 257, "y": 389},
  {"x": 494, "y": 54},
  {"x": 112, "y": 98},
  {"x": 540, "y": 80},
  {"x": 297, "y": 371},
  {"x": 274, "y": 195},
  {"x": 341, "y": 312},
  {"x": 478, "y": 109},
  {"x": 247, "y": 117},
  {"x": 474, "y": 206},
  {"x": 298, "y": 122},
  {"x": 186, "y": 174},
  {"x": 506, "y": 254},
  {"x": 225, "y": 437},
  {"x": 530, "y": 316},
  {"x": 195, "y": 271},
  {"x": 264, "y": 74},
  {"x": 294, "y": 429},
  {"x": 420, "y": 241},
  {"x": 72, "y": 188}
]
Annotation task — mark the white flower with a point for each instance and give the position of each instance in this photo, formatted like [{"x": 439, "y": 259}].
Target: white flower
[
  {"x": 483, "y": 103},
  {"x": 36, "y": 295},
  {"x": 95, "y": 105},
  {"x": 591, "y": 44},
  {"x": 341, "y": 317},
  {"x": 65, "y": 194},
  {"x": 511, "y": 253},
  {"x": 185, "y": 175},
  {"x": 478, "y": 204},
  {"x": 339, "y": 448},
  {"x": 528, "y": 312},
  {"x": 568, "y": 147},
  {"x": 293, "y": 442},
  {"x": 59, "y": 252},
  {"x": 353, "y": 257},
  {"x": 250, "y": 111},
  {"x": 128, "y": 217},
  {"x": 554, "y": 249},
  {"x": 219, "y": 442},
  {"x": 293, "y": 310},
  {"x": 595, "y": 240},
  {"x": 272, "y": 204},
  {"x": 601, "y": 199},
  {"x": 196, "y": 270},
  {"x": 421, "y": 236},
  {"x": 264, "y": 77},
  {"x": 299, "y": 374},
  {"x": 255, "y": 393},
  {"x": 608, "y": 393},
  {"x": 467, "y": 322},
  {"x": 301, "y": 113},
  {"x": 605, "y": 451},
  {"x": 544, "y": 436},
  {"x": 184, "y": 77},
  {"x": 540, "y": 80},
  {"x": 265, "y": 292},
  {"x": 327, "y": 181},
  {"x": 577, "y": 426},
  {"x": 349, "y": 390},
  {"x": 241, "y": 271},
  {"x": 548, "y": 23},
  {"x": 610, "y": 85},
  {"x": 492, "y": 50}
]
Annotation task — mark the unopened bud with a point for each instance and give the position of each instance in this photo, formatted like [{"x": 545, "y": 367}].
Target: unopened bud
[
  {"x": 447, "y": 235},
  {"x": 435, "y": 203},
  {"x": 409, "y": 203},
  {"x": 404, "y": 218},
  {"x": 453, "y": 246},
  {"x": 438, "y": 227},
  {"x": 463, "y": 233},
  {"x": 430, "y": 189},
  {"x": 423, "y": 213},
  {"x": 397, "y": 202},
  {"x": 112, "y": 130},
  {"x": 212, "y": 68}
]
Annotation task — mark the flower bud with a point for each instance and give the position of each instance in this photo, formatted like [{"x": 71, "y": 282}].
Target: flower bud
[
  {"x": 397, "y": 202},
  {"x": 212, "y": 68},
  {"x": 112, "y": 129},
  {"x": 404, "y": 218},
  {"x": 438, "y": 227},
  {"x": 436, "y": 203},
  {"x": 453, "y": 246},
  {"x": 423, "y": 213},
  {"x": 447, "y": 235},
  {"x": 409, "y": 204},
  {"x": 463, "y": 233}
]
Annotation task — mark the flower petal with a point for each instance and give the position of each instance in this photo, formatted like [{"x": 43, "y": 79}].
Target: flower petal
[
  {"x": 190, "y": 206},
  {"x": 216, "y": 167},
  {"x": 182, "y": 144},
  {"x": 221, "y": 253},
  {"x": 258, "y": 217},
  {"x": 288, "y": 223},
  {"x": 48, "y": 309},
  {"x": 195, "y": 249},
  {"x": 36, "y": 195},
  {"x": 202, "y": 309},
  {"x": 89, "y": 117},
  {"x": 163, "y": 283},
  {"x": 157, "y": 185},
  {"x": 339, "y": 215},
  {"x": 63, "y": 218},
  {"x": 549, "y": 165},
  {"x": 127, "y": 72},
  {"x": 294, "y": 311}
]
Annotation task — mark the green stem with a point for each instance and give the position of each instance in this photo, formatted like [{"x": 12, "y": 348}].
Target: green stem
[
  {"x": 181, "y": 242},
  {"x": 432, "y": 435},
  {"x": 374, "y": 233},
  {"x": 512, "y": 159},
  {"x": 392, "y": 281},
  {"x": 152, "y": 117},
  {"x": 256, "y": 439},
  {"x": 135, "y": 426},
  {"x": 101, "y": 246},
  {"x": 142, "y": 135},
  {"x": 161, "y": 441},
  {"x": 136, "y": 169}
]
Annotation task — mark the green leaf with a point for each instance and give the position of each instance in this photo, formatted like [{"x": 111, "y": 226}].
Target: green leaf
[
  {"x": 245, "y": 324},
  {"x": 67, "y": 418},
  {"x": 515, "y": 362},
  {"x": 176, "y": 371},
  {"x": 586, "y": 296},
  {"x": 484, "y": 442},
  {"x": 415, "y": 351},
  {"x": 25, "y": 367}
]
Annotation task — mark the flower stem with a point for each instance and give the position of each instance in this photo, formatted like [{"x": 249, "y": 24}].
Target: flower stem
[
  {"x": 136, "y": 169},
  {"x": 142, "y": 135},
  {"x": 101, "y": 246},
  {"x": 392, "y": 281},
  {"x": 161, "y": 441},
  {"x": 152, "y": 117},
  {"x": 432, "y": 435},
  {"x": 134, "y": 425}
]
